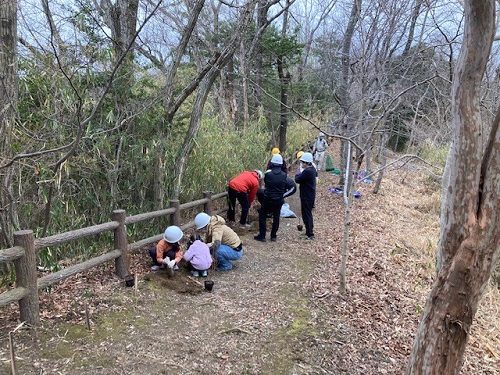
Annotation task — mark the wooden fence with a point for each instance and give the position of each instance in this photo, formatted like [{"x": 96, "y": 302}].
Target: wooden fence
[{"x": 26, "y": 246}]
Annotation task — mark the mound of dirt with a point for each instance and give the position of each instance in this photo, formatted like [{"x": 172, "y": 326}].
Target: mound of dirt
[{"x": 178, "y": 281}]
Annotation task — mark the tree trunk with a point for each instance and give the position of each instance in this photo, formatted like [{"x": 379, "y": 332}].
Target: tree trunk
[
  {"x": 202, "y": 94},
  {"x": 8, "y": 104},
  {"x": 345, "y": 102},
  {"x": 470, "y": 234},
  {"x": 284, "y": 82}
]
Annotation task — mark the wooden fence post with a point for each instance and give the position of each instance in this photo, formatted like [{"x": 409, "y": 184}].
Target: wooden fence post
[
  {"x": 175, "y": 218},
  {"x": 207, "y": 207},
  {"x": 26, "y": 277},
  {"x": 120, "y": 242}
]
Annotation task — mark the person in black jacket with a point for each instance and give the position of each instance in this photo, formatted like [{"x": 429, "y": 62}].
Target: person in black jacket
[
  {"x": 307, "y": 181},
  {"x": 277, "y": 186}
]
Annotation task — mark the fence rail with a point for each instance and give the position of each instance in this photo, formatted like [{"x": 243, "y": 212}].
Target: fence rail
[{"x": 24, "y": 252}]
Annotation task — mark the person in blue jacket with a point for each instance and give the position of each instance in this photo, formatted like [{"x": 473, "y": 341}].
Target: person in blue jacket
[{"x": 307, "y": 180}]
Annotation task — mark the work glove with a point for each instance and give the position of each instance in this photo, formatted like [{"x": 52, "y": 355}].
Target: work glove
[{"x": 169, "y": 263}]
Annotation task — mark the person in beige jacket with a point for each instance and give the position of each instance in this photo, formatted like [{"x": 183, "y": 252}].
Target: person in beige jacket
[{"x": 225, "y": 245}]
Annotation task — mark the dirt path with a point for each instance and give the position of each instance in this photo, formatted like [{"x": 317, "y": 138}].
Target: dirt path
[
  {"x": 257, "y": 320},
  {"x": 278, "y": 312}
]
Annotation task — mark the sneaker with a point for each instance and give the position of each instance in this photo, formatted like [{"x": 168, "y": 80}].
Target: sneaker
[
  {"x": 156, "y": 267},
  {"x": 305, "y": 237},
  {"x": 274, "y": 239},
  {"x": 195, "y": 273},
  {"x": 245, "y": 226},
  {"x": 204, "y": 273},
  {"x": 259, "y": 238}
]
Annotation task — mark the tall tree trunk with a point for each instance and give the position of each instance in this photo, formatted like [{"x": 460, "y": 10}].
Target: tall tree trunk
[
  {"x": 411, "y": 32},
  {"x": 245, "y": 73},
  {"x": 8, "y": 105},
  {"x": 202, "y": 94},
  {"x": 470, "y": 234},
  {"x": 345, "y": 102},
  {"x": 284, "y": 83},
  {"x": 262, "y": 9},
  {"x": 179, "y": 53}
]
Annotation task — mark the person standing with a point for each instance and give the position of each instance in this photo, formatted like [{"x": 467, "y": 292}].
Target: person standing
[
  {"x": 243, "y": 188},
  {"x": 301, "y": 167},
  {"x": 276, "y": 151},
  {"x": 307, "y": 181},
  {"x": 225, "y": 245},
  {"x": 319, "y": 148},
  {"x": 277, "y": 186}
]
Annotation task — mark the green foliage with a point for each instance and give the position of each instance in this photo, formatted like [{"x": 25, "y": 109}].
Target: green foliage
[
  {"x": 435, "y": 155},
  {"x": 298, "y": 133},
  {"x": 220, "y": 154}
]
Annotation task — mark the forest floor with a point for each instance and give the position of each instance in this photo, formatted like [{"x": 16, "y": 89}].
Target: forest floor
[{"x": 277, "y": 312}]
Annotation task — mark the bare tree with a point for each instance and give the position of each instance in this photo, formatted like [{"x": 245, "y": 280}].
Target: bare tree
[
  {"x": 204, "y": 88},
  {"x": 470, "y": 234}
]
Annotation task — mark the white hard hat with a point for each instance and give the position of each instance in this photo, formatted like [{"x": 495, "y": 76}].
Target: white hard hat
[
  {"x": 277, "y": 159},
  {"x": 201, "y": 220},
  {"x": 306, "y": 157},
  {"x": 321, "y": 134},
  {"x": 259, "y": 173},
  {"x": 173, "y": 234}
]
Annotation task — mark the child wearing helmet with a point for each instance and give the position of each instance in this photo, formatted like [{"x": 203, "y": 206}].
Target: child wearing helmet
[
  {"x": 243, "y": 188},
  {"x": 168, "y": 251}
]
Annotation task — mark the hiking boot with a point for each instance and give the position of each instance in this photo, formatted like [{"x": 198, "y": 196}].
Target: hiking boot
[
  {"x": 259, "y": 238},
  {"x": 195, "y": 273},
  {"x": 274, "y": 239},
  {"x": 204, "y": 273}
]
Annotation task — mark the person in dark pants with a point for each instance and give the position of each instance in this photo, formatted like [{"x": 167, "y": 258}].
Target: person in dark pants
[
  {"x": 307, "y": 181},
  {"x": 277, "y": 186},
  {"x": 242, "y": 188}
]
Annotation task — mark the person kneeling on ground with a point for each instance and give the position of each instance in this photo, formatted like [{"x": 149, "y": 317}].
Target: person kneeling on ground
[
  {"x": 198, "y": 256},
  {"x": 224, "y": 243},
  {"x": 168, "y": 251}
]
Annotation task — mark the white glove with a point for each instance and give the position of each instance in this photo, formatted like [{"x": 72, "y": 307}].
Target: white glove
[
  {"x": 166, "y": 261},
  {"x": 169, "y": 263}
]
